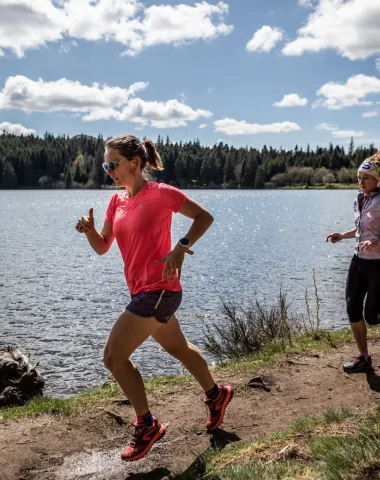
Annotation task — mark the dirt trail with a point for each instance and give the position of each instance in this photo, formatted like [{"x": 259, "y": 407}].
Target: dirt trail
[{"x": 88, "y": 446}]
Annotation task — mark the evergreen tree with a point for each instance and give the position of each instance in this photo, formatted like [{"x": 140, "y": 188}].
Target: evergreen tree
[
  {"x": 229, "y": 171},
  {"x": 67, "y": 177},
  {"x": 9, "y": 177},
  {"x": 259, "y": 180},
  {"x": 97, "y": 172}
]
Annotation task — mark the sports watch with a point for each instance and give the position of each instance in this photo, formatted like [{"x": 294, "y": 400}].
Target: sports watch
[{"x": 184, "y": 242}]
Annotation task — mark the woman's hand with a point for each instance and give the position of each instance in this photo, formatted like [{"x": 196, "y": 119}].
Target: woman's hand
[
  {"x": 334, "y": 237},
  {"x": 173, "y": 263},
  {"x": 86, "y": 224},
  {"x": 369, "y": 245}
]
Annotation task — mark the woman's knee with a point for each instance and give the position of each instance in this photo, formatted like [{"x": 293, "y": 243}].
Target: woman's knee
[
  {"x": 354, "y": 311},
  {"x": 108, "y": 357},
  {"x": 111, "y": 357},
  {"x": 372, "y": 318}
]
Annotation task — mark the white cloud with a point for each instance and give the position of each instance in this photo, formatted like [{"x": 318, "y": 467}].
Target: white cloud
[
  {"x": 95, "y": 102},
  {"x": 291, "y": 100},
  {"x": 347, "y": 133},
  {"x": 16, "y": 129},
  {"x": 229, "y": 126},
  {"x": 39, "y": 96},
  {"x": 377, "y": 64},
  {"x": 265, "y": 39},
  {"x": 351, "y": 27},
  {"x": 327, "y": 126},
  {"x": 203, "y": 125},
  {"x": 336, "y": 96},
  {"x": 370, "y": 114},
  {"x": 169, "y": 114},
  {"x": 177, "y": 25},
  {"x": 339, "y": 133},
  {"x": 28, "y": 24}
]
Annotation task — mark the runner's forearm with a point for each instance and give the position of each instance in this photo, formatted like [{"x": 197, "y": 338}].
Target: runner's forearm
[
  {"x": 349, "y": 234},
  {"x": 97, "y": 242},
  {"x": 199, "y": 226}
]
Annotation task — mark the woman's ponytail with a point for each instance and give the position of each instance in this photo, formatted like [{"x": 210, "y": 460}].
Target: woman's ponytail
[{"x": 152, "y": 156}]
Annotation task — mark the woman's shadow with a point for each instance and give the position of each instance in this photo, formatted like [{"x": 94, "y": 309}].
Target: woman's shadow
[{"x": 373, "y": 380}]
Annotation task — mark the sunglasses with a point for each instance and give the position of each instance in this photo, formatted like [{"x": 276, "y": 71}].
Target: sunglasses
[{"x": 110, "y": 165}]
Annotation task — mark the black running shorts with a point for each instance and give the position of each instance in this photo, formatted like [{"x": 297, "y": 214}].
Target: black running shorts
[
  {"x": 160, "y": 304},
  {"x": 363, "y": 280}
]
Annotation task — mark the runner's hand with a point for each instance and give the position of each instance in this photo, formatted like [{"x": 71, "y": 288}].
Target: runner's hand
[
  {"x": 369, "y": 245},
  {"x": 173, "y": 264},
  {"x": 86, "y": 223},
  {"x": 334, "y": 237}
]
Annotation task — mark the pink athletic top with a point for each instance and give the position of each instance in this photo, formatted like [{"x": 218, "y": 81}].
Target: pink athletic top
[{"x": 142, "y": 228}]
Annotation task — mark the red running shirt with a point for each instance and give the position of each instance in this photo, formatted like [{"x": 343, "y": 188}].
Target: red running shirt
[{"x": 142, "y": 228}]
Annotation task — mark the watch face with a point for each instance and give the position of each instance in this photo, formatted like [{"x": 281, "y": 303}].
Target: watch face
[{"x": 185, "y": 242}]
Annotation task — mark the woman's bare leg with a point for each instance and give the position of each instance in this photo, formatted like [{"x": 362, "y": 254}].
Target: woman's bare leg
[
  {"x": 359, "y": 330},
  {"x": 172, "y": 339},
  {"x": 128, "y": 333}
]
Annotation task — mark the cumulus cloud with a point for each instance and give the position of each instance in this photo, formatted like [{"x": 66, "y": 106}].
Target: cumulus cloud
[
  {"x": 16, "y": 129},
  {"x": 96, "y": 102},
  {"x": 28, "y": 95},
  {"x": 28, "y": 24},
  {"x": 170, "y": 114},
  {"x": 229, "y": 126},
  {"x": 370, "y": 114},
  {"x": 354, "y": 92},
  {"x": 347, "y": 133},
  {"x": 31, "y": 24},
  {"x": 203, "y": 125},
  {"x": 265, "y": 39},
  {"x": 348, "y": 26},
  {"x": 291, "y": 100}
]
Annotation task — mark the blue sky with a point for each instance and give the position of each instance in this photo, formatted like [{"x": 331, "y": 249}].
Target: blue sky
[{"x": 247, "y": 72}]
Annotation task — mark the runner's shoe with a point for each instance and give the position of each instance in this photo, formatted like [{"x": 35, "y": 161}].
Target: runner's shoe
[
  {"x": 143, "y": 440},
  {"x": 218, "y": 407},
  {"x": 358, "y": 364}
]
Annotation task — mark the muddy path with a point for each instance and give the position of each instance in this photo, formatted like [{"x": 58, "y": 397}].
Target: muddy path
[{"x": 88, "y": 446}]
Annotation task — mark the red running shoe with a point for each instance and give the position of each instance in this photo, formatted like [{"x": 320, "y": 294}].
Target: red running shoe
[
  {"x": 143, "y": 440},
  {"x": 218, "y": 407}
]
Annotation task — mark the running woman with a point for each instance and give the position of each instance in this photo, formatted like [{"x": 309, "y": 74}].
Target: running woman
[
  {"x": 363, "y": 279},
  {"x": 140, "y": 218}
]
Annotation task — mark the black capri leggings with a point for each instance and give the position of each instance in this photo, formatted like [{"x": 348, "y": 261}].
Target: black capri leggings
[{"x": 363, "y": 279}]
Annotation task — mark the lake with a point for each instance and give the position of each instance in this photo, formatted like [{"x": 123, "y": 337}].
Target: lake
[{"x": 59, "y": 299}]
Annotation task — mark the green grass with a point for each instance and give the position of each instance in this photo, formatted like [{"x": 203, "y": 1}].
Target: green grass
[
  {"x": 322, "y": 447},
  {"x": 96, "y": 397},
  {"x": 87, "y": 401}
]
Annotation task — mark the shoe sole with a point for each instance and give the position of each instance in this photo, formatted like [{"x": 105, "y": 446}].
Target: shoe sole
[
  {"x": 161, "y": 432},
  {"x": 223, "y": 410},
  {"x": 360, "y": 370}
]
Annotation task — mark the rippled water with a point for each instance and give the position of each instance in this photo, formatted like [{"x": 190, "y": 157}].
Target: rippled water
[{"x": 59, "y": 301}]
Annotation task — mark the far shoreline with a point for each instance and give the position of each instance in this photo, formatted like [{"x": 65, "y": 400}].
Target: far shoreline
[{"x": 336, "y": 186}]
